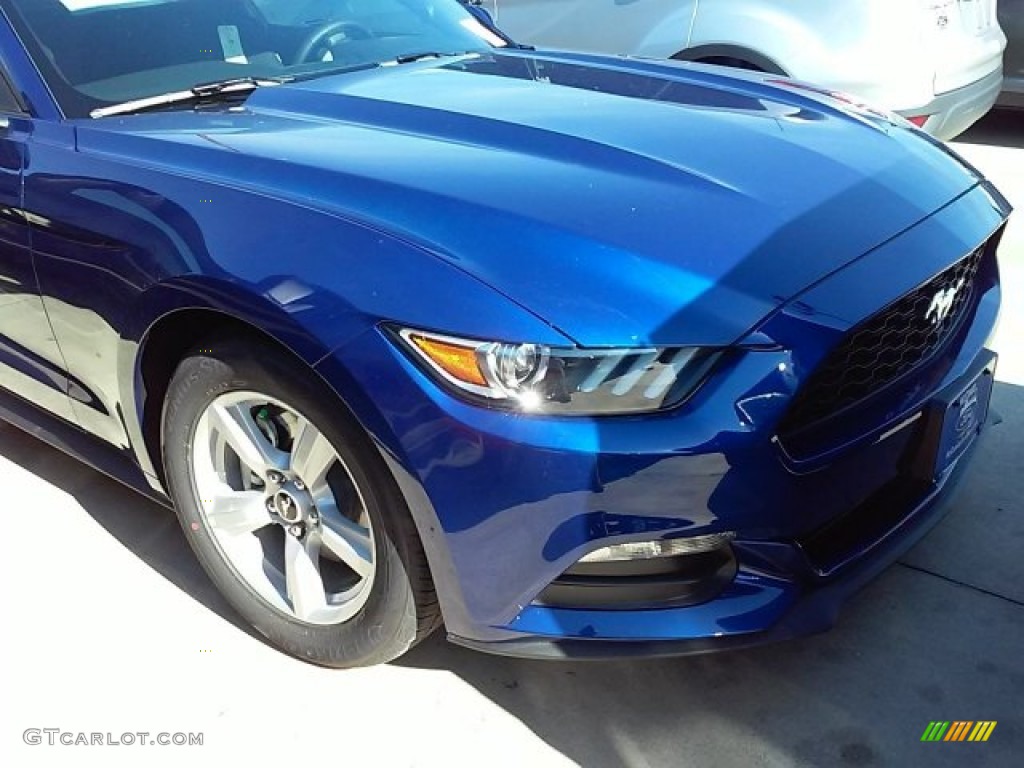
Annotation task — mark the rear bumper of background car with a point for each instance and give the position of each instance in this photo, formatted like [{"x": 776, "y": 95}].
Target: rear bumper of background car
[
  {"x": 952, "y": 113},
  {"x": 507, "y": 503}
]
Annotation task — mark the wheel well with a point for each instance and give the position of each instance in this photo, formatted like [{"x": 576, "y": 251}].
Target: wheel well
[
  {"x": 731, "y": 56},
  {"x": 730, "y": 61},
  {"x": 164, "y": 346}
]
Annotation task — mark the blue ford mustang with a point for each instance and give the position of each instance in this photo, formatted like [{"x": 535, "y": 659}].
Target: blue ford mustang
[{"x": 579, "y": 356}]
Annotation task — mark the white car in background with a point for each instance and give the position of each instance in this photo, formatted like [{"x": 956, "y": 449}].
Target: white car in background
[{"x": 937, "y": 62}]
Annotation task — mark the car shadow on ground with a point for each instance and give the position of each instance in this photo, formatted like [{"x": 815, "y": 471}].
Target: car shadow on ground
[
  {"x": 149, "y": 530},
  {"x": 999, "y": 128},
  {"x": 925, "y": 641}
]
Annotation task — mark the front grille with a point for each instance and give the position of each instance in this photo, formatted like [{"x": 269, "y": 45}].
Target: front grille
[{"x": 888, "y": 345}]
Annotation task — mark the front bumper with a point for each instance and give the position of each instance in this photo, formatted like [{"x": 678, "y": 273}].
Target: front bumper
[
  {"x": 794, "y": 608},
  {"x": 777, "y": 587},
  {"x": 505, "y": 504},
  {"x": 954, "y": 112}
]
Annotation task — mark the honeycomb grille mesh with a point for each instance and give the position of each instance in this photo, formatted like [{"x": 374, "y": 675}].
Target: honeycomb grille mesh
[{"x": 895, "y": 341}]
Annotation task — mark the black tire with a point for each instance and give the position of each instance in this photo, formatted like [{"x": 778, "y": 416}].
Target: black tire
[{"x": 401, "y": 608}]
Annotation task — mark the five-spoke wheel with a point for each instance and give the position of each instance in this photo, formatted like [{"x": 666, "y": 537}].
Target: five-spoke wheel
[
  {"x": 291, "y": 509},
  {"x": 283, "y": 507}
]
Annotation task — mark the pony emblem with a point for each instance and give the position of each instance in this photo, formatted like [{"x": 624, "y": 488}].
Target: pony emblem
[{"x": 942, "y": 303}]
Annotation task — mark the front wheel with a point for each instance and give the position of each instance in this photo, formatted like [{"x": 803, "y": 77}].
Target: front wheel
[{"x": 290, "y": 510}]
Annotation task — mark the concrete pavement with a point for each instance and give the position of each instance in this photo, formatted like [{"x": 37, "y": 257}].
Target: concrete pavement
[{"x": 109, "y": 626}]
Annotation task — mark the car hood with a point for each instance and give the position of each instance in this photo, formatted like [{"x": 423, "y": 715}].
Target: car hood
[{"x": 622, "y": 201}]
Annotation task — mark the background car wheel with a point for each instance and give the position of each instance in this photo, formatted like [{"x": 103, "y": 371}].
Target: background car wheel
[{"x": 289, "y": 509}]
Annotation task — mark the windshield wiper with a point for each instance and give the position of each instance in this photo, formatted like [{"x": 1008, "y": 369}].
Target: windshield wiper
[
  {"x": 313, "y": 74},
  {"x": 201, "y": 93},
  {"x": 409, "y": 58}
]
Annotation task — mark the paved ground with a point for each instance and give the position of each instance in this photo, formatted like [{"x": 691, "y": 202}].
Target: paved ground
[{"x": 110, "y": 627}]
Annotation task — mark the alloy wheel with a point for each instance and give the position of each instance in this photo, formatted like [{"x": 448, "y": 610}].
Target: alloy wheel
[{"x": 283, "y": 508}]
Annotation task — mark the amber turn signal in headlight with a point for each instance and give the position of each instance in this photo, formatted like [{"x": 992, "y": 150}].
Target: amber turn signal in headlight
[{"x": 459, "y": 362}]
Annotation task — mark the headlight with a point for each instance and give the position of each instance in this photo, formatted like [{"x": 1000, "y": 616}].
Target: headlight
[{"x": 538, "y": 379}]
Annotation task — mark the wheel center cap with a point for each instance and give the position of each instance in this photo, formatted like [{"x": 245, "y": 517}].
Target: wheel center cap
[{"x": 288, "y": 507}]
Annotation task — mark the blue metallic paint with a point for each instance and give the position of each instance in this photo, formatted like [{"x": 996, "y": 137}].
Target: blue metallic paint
[
  {"x": 710, "y": 465},
  {"x": 557, "y": 199},
  {"x": 518, "y": 149}
]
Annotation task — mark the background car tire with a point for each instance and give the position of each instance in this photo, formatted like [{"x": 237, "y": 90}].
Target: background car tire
[{"x": 401, "y": 607}]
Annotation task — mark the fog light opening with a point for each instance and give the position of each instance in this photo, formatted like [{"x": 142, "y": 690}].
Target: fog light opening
[
  {"x": 649, "y": 550},
  {"x": 664, "y": 573}
]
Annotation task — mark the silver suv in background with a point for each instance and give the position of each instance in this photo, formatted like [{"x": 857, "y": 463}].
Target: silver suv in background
[{"x": 936, "y": 62}]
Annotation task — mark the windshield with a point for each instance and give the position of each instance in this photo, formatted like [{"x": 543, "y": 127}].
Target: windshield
[{"x": 95, "y": 53}]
